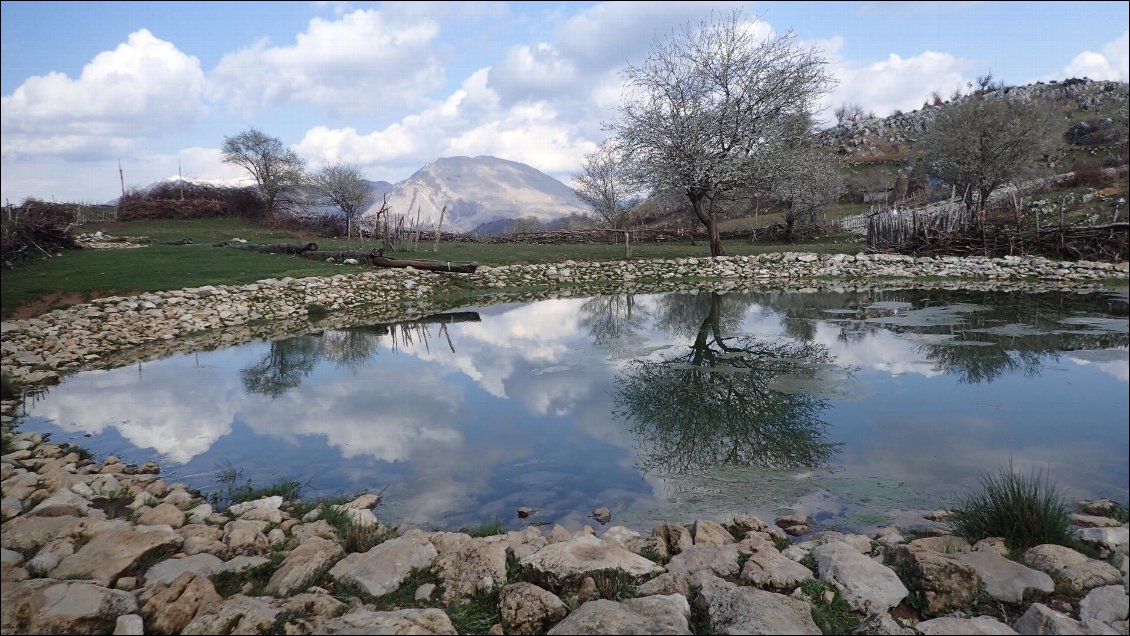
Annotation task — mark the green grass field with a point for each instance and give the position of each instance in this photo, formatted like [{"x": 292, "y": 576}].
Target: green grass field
[{"x": 79, "y": 275}]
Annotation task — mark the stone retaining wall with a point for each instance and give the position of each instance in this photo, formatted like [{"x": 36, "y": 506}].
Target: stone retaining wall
[{"x": 98, "y": 333}]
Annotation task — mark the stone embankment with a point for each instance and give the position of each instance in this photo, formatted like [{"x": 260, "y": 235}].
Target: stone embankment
[
  {"x": 95, "y": 548},
  {"x": 38, "y": 349}
]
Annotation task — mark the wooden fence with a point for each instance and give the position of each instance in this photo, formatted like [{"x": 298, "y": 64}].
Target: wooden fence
[{"x": 95, "y": 214}]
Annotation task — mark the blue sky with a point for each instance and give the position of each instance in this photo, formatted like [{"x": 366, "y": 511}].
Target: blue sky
[{"x": 391, "y": 86}]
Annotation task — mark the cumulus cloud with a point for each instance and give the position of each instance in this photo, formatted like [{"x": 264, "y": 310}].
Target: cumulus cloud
[
  {"x": 363, "y": 61},
  {"x": 144, "y": 87},
  {"x": 894, "y": 83},
  {"x": 1113, "y": 63}
]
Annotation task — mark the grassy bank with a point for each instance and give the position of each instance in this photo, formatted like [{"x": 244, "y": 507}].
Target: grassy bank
[{"x": 80, "y": 275}]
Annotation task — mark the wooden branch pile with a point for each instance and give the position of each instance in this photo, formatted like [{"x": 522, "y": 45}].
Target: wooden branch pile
[
  {"x": 22, "y": 240},
  {"x": 1109, "y": 242}
]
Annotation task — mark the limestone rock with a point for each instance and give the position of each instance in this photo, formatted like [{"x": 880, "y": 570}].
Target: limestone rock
[
  {"x": 602, "y": 515},
  {"x": 748, "y": 610},
  {"x": 528, "y": 609},
  {"x": 647, "y": 615},
  {"x": 943, "y": 581},
  {"x": 676, "y": 538},
  {"x": 477, "y": 566},
  {"x": 1107, "y": 604},
  {"x": 165, "y": 513},
  {"x": 1041, "y": 619},
  {"x": 708, "y": 532},
  {"x": 1093, "y": 521},
  {"x": 945, "y": 544},
  {"x": 47, "y": 606},
  {"x": 172, "y": 606},
  {"x": 304, "y": 564},
  {"x": 558, "y": 535},
  {"x": 563, "y": 564},
  {"x": 62, "y": 503},
  {"x": 114, "y": 551},
  {"x": 947, "y": 625},
  {"x": 722, "y": 560},
  {"x": 237, "y": 615},
  {"x": 273, "y": 502},
  {"x": 864, "y": 584},
  {"x": 1109, "y": 538},
  {"x": 664, "y": 584},
  {"x": 1004, "y": 579},
  {"x": 129, "y": 625},
  {"x": 246, "y": 537},
  {"x": 168, "y": 570},
  {"x": 29, "y": 534},
  {"x": 384, "y": 567},
  {"x": 768, "y": 569},
  {"x": 1075, "y": 568},
  {"x": 405, "y": 621}
]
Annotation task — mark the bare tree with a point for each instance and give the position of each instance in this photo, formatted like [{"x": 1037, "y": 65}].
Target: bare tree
[
  {"x": 343, "y": 187},
  {"x": 278, "y": 170},
  {"x": 604, "y": 183},
  {"x": 706, "y": 106},
  {"x": 985, "y": 142}
]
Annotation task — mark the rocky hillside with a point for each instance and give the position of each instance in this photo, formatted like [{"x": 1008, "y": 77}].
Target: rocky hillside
[
  {"x": 893, "y": 136},
  {"x": 478, "y": 190}
]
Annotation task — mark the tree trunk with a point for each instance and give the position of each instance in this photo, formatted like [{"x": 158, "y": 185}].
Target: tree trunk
[{"x": 704, "y": 209}]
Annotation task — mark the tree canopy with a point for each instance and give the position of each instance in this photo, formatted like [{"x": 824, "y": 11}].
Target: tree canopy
[
  {"x": 708, "y": 107},
  {"x": 277, "y": 170}
]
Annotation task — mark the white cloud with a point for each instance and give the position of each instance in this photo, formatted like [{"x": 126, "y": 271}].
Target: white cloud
[
  {"x": 896, "y": 83},
  {"x": 144, "y": 87},
  {"x": 363, "y": 61},
  {"x": 1112, "y": 64}
]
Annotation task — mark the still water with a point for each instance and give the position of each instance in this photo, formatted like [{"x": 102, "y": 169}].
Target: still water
[{"x": 848, "y": 407}]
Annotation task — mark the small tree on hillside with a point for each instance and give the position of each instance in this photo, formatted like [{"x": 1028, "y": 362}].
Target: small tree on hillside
[
  {"x": 985, "y": 142},
  {"x": 343, "y": 187},
  {"x": 604, "y": 184},
  {"x": 808, "y": 178},
  {"x": 707, "y": 108},
  {"x": 278, "y": 170}
]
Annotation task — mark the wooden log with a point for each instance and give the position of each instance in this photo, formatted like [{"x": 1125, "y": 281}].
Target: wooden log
[
  {"x": 274, "y": 248},
  {"x": 431, "y": 266},
  {"x": 183, "y": 241}
]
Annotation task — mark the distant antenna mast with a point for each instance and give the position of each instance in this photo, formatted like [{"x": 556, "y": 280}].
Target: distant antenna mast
[
  {"x": 180, "y": 180},
  {"x": 122, "y": 176}
]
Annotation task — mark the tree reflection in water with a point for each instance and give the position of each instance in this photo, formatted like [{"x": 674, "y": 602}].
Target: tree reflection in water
[{"x": 713, "y": 404}]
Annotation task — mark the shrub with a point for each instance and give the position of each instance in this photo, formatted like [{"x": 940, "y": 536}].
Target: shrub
[
  {"x": 1026, "y": 510},
  {"x": 1089, "y": 172}
]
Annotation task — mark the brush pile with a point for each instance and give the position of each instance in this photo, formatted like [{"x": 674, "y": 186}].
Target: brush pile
[{"x": 32, "y": 231}]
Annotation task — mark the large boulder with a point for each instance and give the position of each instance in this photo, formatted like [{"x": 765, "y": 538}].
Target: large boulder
[
  {"x": 734, "y": 609},
  {"x": 1041, "y": 619},
  {"x": 237, "y": 615},
  {"x": 1004, "y": 579},
  {"x": 47, "y": 606},
  {"x": 29, "y": 534},
  {"x": 405, "y": 621},
  {"x": 722, "y": 560},
  {"x": 942, "y": 580},
  {"x": 477, "y": 566},
  {"x": 1075, "y": 569},
  {"x": 164, "y": 514},
  {"x": 647, "y": 615},
  {"x": 708, "y": 532},
  {"x": 769, "y": 569},
  {"x": 172, "y": 606},
  {"x": 117, "y": 550},
  {"x": 528, "y": 609},
  {"x": 565, "y": 564},
  {"x": 865, "y": 585},
  {"x": 384, "y": 567},
  {"x": 168, "y": 570},
  {"x": 303, "y": 566},
  {"x": 1108, "y": 604}
]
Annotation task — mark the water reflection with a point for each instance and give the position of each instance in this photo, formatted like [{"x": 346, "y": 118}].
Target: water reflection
[
  {"x": 713, "y": 403},
  {"x": 623, "y": 400}
]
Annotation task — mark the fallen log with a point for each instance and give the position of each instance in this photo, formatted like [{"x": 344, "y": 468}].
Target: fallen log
[
  {"x": 183, "y": 241},
  {"x": 431, "y": 266},
  {"x": 274, "y": 248}
]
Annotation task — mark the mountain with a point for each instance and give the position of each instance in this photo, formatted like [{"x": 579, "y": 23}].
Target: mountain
[{"x": 478, "y": 190}]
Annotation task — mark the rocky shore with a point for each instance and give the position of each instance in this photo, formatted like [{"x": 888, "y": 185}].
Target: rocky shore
[
  {"x": 110, "y": 547},
  {"x": 95, "y": 548}
]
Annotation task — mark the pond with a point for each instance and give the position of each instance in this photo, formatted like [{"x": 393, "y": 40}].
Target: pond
[{"x": 848, "y": 407}]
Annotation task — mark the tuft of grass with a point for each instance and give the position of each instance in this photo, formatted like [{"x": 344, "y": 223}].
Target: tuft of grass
[
  {"x": 1026, "y": 510},
  {"x": 614, "y": 585},
  {"x": 316, "y": 311},
  {"x": 228, "y": 583},
  {"x": 353, "y": 536},
  {"x": 832, "y": 618},
  {"x": 488, "y": 529},
  {"x": 82, "y": 452},
  {"x": 477, "y": 615},
  {"x": 232, "y": 492}
]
